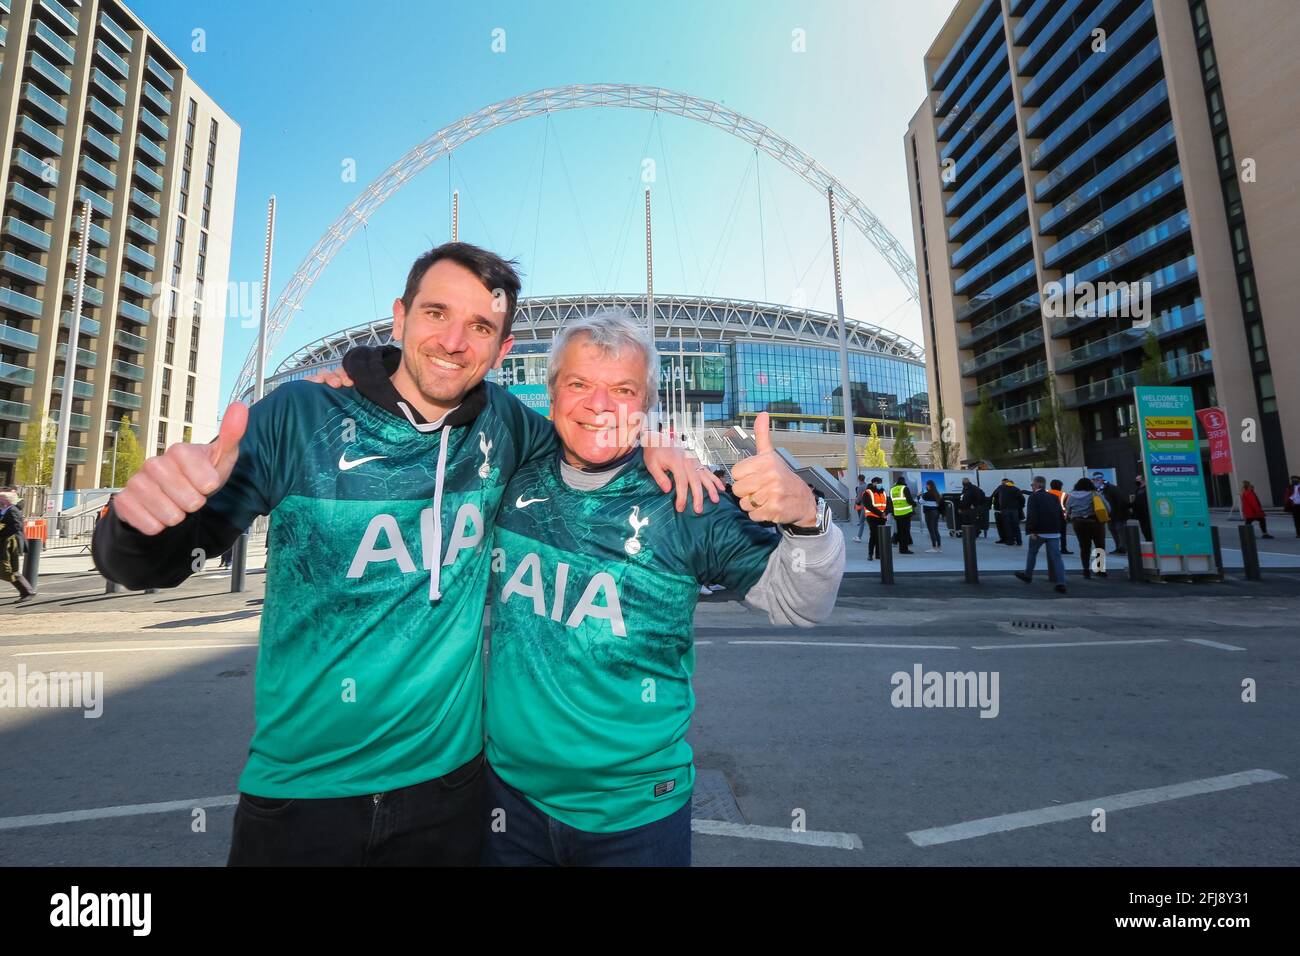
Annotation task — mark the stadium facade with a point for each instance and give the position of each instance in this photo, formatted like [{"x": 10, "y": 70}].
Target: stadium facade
[{"x": 733, "y": 359}]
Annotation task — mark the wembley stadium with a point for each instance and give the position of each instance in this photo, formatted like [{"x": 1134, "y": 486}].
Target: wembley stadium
[{"x": 725, "y": 360}]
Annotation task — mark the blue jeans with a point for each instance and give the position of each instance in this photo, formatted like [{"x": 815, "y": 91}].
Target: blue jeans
[
  {"x": 862, "y": 521},
  {"x": 533, "y": 838},
  {"x": 1055, "y": 566}
]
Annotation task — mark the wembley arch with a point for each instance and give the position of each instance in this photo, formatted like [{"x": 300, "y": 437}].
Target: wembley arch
[{"x": 556, "y": 99}]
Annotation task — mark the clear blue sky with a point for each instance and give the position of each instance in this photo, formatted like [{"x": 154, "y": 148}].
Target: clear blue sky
[{"x": 313, "y": 84}]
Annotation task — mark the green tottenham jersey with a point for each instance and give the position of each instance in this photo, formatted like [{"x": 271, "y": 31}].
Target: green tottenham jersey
[
  {"x": 364, "y": 683},
  {"x": 589, "y": 676}
]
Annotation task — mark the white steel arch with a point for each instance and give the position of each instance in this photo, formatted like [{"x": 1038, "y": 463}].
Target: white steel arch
[{"x": 580, "y": 96}]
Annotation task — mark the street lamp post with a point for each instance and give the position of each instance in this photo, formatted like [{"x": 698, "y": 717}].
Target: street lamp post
[{"x": 69, "y": 378}]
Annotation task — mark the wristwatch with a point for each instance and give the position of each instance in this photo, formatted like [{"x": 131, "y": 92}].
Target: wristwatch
[{"x": 822, "y": 526}]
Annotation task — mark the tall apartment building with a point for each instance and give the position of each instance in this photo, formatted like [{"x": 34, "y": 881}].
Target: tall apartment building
[
  {"x": 1098, "y": 141},
  {"x": 94, "y": 107}
]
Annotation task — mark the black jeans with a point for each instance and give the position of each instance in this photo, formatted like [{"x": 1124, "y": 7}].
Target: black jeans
[
  {"x": 932, "y": 525},
  {"x": 435, "y": 823},
  {"x": 873, "y": 537},
  {"x": 903, "y": 524}
]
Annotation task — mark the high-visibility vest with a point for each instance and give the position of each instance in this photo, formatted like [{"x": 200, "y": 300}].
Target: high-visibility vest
[
  {"x": 878, "y": 499},
  {"x": 898, "y": 494},
  {"x": 1060, "y": 496}
]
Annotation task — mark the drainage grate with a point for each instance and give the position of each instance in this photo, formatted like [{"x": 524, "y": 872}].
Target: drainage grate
[
  {"x": 1033, "y": 625},
  {"x": 712, "y": 798}
]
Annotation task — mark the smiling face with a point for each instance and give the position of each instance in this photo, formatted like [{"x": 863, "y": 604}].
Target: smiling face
[
  {"x": 599, "y": 402},
  {"x": 451, "y": 338}
]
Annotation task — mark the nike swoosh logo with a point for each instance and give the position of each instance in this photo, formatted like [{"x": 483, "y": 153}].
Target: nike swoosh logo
[
  {"x": 521, "y": 502},
  {"x": 345, "y": 465}
]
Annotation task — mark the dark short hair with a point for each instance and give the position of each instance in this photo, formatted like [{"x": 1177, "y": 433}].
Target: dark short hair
[
  {"x": 1058, "y": 484},
  {"x": 862, "y": 477},
  {"x": 1083, "y": 484},
  {"x": 490, "y": 269}
]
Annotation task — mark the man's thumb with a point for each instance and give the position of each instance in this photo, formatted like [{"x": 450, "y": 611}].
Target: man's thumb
[
  {"x": 233, "y": 424},
  {"x": 762, "y": 440}
]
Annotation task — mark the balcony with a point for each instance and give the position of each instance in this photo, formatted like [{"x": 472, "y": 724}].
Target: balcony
[
  {"x": 1066, "y": 53},
  {"x": 1162, "y": 280},
  {"x": 25, "y": 269},
  {"x": 10, "y": 447},
  {"x": 43, "y": 67},
  {"x": 994, "y": 259},
  {"x": 142, "y": 229},
  {"x": 1031, "y": 340},
  {"x": 87, "y": 325},
  {"x": 1008, "y": 283},
  {"x": 1024, "y": 412},
  {"x": 951, "y": 87},
  {"x": 105, "y": 83},
  {"x": 1017, "y": 210},
  {"x": 157, "y": 98},
  {"x": 1132, "y": 204},
  {"x": 996, "y": 193},
  {"x": 15, "y": 411},
  {"x": 16, "y": 374},
  {"x": 19, "y": 338},
  {"x": 106, "y": 146},
  {"x": 139, "y": 286},
  {"x": 32, "y": 200},
  {"x": 94, "y": 264},
  {"x": 89, "y": 294},
  {"x": 45, "y": 103},
  {"x": 159, "y": 72},
  {"x": 1050, "y": 31},
  {"x": 148, "y": 176},
  {"x": 85, "y": 357},
  {"x": 1010, "y": 316},
  {"x": 142, "y": 200},
  {"x": 941, "y": 77},
  {"x": 1026, "y": 376},
  {"x": 78, "y": 423},
  {"x": 28, "y": 234},
  {"x": 1176, "y": 369},
  {"x": 98, "y": 234},
  {"x": 140, "y": 257},
  {"x": 124, "y": 399},
  {"x": 98, "y": 171},
  {"x": 148, "y": 147},
  {"x": 118, "y": 64},
  {"x": 116, "y": 32},
  {"x": 1178, "y": 319},
  {"x": 133, "y": 312},
  {"x": 131, "y": 341},
  {"x": 80, "y": 389},
  {"x": 128, "y": 370},
  {"x": 60, "y": 13},
  {"x": 57, "y": 45},
  {"x": 154, "y": 123},
  {"x": 97, "y": 109},
  {"x": 97, "y": 202},
  {"x": 40, "y": 135}
]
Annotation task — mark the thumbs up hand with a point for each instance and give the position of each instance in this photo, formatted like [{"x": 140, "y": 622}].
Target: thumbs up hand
[
  {"x": 180, "y": 481},
  {"x": 768, "y": 490}
]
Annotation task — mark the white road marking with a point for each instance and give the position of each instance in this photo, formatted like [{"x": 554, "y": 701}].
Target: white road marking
[
  {"x": 1205, "y": 643},
  {"x": 128, "y": 650},
  {"x": 749, "y": 831},
  {"x": 914, "y": 647},
  {"x": 996, "y": 647},
  {"x": 1084, "y": 808},
  {"x": 703, "y": 642},
  {"x": 101, "y": 813}
]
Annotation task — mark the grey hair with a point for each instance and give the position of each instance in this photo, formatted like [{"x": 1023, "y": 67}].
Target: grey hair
[{"x": 611, "y": 330}]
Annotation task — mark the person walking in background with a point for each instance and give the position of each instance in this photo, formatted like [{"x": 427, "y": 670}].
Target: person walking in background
[
  {"x": 1252, "y": 510},
  {"x": 970, "y": 505},
  {"x": 1057, "y": 490},
  {"x": 875, "y": 505},
  {"x": 13, "y": 545},
  {"x": 931, "y": 503},
  {"x": 1045, "y": 525},
  {"x": 901, "y": 506},
  {"x": 858, "y": 489},
  {"x": 1081, "y": 509},
  {"x": 1141, "y": 508},
  {"x": 1115, "y": 508},
  {"x": 1008, "y": 500},
  {"x": 1291, "y": 501}
]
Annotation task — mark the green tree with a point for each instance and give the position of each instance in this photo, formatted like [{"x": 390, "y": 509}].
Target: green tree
[
  {"x": 1059, "y": 430},
  {"x": 129, "y": 455},
  {"x": 1153, "y": 370},
  {"x": 987, "y": 436},
  {"x": 35, "y": 464},
  {"x": 943, "y": 449},
  {"x": 874, "y": 456},
  {"x": 904, "y": 451}
]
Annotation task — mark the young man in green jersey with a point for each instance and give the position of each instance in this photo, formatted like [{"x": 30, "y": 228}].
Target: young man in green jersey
[
  {"x": 594, "y": 582},
  {"x": 368, "y": 691}
]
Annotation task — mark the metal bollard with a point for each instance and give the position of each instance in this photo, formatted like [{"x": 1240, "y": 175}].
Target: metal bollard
[
  {"x": 1133, "y": 543},
  {"x": 32, "y": 564},
  {"x": 950, "y": 517},
  {"x": 969, "y": 555},
  {"x": 1249, "y": 552},
  {"x": 1217, "y": 545},
  {"x": 883, "y": 534},
  {"x": 238, "y": 561}
]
